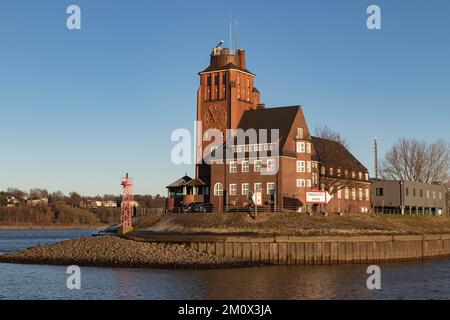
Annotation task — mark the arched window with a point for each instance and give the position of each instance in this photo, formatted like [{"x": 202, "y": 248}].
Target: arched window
[{"x": 218, "y": 189}]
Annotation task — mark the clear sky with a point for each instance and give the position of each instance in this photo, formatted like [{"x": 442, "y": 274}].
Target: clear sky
[{"x": 80, "y": 108}]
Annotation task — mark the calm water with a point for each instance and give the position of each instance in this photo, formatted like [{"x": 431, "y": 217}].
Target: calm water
[{"x": 418, "y": 280}]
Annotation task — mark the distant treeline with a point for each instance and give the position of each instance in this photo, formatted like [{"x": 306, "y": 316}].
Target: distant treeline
[
  {"x": 74, "y": 199},
  {"x": 58, "y": 214}
]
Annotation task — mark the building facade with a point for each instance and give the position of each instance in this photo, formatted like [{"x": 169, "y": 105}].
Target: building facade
[
  {"x": 408, "y": 197},
  {"x": 268, "y": 149}
]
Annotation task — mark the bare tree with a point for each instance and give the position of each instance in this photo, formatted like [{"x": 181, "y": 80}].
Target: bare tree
[
  {"x": 325, "y": 132},
  {"x": 38, "y": 193},
  {"x": 414, "y": 160}
]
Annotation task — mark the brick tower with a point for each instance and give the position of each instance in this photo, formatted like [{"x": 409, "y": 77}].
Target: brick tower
[{"x": 226, "y": 91}]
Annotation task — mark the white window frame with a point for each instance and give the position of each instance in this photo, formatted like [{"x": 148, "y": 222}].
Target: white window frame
[
  {"x": 233, "y": 166},
  {"x": 270, "y": 165},
  {"x": 245, "y": 166},
  {"x": 301, "y": 166},
  {"x": 299, "y": 133},
  {"x": 301, "y": 183},
  {"x": 218, "y": 189},
  {"x": 257, "y": 164},
  {"x": 300, "y": 147},
  {"x": 242, "y": 189},
  {"x": 268, "y": 189},
  {"x": 233, "y": 189},
  {"x": 257, "y": 186},
  {"x": 360, "y": 194}
]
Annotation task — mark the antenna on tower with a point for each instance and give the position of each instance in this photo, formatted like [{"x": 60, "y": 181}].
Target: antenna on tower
[
  {"x": 236, "y": 38},
  {"x": 376, "y": 156},
  {"x": 231, "y": 35}
]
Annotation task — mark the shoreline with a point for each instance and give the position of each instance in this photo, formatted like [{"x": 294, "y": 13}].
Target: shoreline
[{"x": 49, "y": 227}]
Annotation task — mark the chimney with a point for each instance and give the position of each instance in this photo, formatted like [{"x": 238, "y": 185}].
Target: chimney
[{"x": 241, "y": 54}]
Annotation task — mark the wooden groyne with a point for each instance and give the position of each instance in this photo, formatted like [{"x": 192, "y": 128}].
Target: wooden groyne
[{"x": 320, "y": 250}]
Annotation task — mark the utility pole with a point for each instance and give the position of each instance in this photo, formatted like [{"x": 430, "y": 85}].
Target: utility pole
[{"x": 376, "y": 157}]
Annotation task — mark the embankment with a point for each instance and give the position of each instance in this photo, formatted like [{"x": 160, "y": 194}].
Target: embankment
[{"x": 321, "y": 250}]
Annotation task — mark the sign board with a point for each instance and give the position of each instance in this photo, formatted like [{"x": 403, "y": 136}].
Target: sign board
[
  {"x": 257, "y": 197},
  {"x": 318, "y": 197}
]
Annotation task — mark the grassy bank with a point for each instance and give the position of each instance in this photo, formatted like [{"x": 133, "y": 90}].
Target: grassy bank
[{"x": 296, "y": 224}]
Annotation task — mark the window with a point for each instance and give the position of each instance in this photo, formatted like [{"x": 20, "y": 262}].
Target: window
[
  {"x": 367, "y": 194},
  {"x": 270, "y": 165},
  {"x": 339, "y": 194},
  {"x": 322, "y": 171},
  {"x": 258, "y": 186},
  {"x": 271, "y": 188},
  {"x": 346, "y": 193},
  {"x": 308, "y": 166},
  {"x": 233, "y": 167},
  {"x": 421, "y": 193},
  {"x": 209, "y": 80},
  {"x": 331, "y": 171},
  {"x": 379, "y": 192},
  {"x": 440, "y": 195},
  {"x": 315, "y": 179},
  {"x": 428, "y": 194},
  {"x": 360, "y": 194},
  {"x": 299, "y": 133},
  {"x": 245, "y": 189},
  {"x": 346, "y": 173},
  {"x": 239, "y": 80},
  {"x": 218, "y": 189},
  {"x": 360, "y": 175},
  {"x": 300, "y": 166},
  {"x": 300, "y": 147},
  {"x": 308, "y": 183},
  {"x": 414, "y": 192},
  {"x": 407, "y": 191},
  {"x": 257, "y": 166},
  {"x": 224, "y": 79},
  {"x": 367, "y": 177},
  {"x": 338, "y": 172},
  {"x": 434, "y": 194},
  {"x": 245, "y": 166},
  {"x": 248, "y": 83},
  {"x": 353, "y": 194},
  {"x": 301, "y": 183},
  {"x": 353, "y": 175},
  {"x": 233, "y": 189},
  {"x": 308, "y": 147},
  {"x": 322, "y": 186}
]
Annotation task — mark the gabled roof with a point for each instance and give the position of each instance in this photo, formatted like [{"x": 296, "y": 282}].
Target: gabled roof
[
  {"x": 195, "y": 183},
  {"x": 336, "y": 154},
  {"x": 180, "y": 182},
  {"x": 225, "y": 67},
  {"x": 281, "y": 118}
]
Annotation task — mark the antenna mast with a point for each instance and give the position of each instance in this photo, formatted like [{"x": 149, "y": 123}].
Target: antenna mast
[
  {"x": 237, "y": 36},
  {"x": 231, "y": 35},
  {"x": 376, "y": 157}
]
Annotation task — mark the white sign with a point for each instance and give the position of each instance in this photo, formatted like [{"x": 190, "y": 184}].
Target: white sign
[
  {"x": 318, "y": 197},
  {"x": 257, "y": 198}
]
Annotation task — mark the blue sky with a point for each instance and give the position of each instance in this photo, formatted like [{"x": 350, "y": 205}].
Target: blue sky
[{"x": 80, "y": 108}]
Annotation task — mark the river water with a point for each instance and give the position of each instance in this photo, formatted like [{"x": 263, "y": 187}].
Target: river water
[{"x": 413, "y": 280}]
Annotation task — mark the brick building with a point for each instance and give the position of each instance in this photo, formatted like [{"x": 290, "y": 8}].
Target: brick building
[{"x": 263, "y": 148}]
